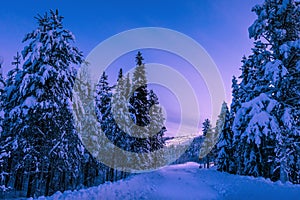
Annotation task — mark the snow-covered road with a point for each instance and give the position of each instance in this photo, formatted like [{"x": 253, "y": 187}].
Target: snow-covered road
[{"x": 186, "y": 181}]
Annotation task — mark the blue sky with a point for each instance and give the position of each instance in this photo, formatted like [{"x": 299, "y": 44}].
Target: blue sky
[{"x": 219, "y": 26}]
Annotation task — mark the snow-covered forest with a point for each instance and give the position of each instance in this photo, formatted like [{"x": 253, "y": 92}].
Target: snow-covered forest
[
  {"x": 49, "y": 143},
  {"x": 260, "y": 136}
]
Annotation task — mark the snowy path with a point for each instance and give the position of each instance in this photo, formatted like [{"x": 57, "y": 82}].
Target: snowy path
[{"x": 186, "y": 181}]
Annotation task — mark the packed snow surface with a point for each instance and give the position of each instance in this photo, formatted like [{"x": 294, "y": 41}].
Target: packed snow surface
[{"x": 186, "y": 181}]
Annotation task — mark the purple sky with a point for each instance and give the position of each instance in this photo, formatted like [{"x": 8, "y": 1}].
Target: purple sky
[{"x": 219, "y": 26}]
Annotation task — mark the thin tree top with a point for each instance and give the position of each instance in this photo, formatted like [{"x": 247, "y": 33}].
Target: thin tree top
[{"x": 139, "y": 58}]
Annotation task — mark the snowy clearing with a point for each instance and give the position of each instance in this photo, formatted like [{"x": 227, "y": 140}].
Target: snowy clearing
[{"x": 186, "y": 181}]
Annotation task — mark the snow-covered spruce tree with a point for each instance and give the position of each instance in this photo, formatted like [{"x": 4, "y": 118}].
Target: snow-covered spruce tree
[
  {"x": 144, "y": 111},
  {"x": 157, "y": 120},
  {"x": 47, "y": 153},
  {"x": 208, "y": 143},
  {"x": 235, "y": 105},
  {"x": 16, "y": 62},
  {"x": 224, "y": 145},
  {"x": 106, "y": 96},
  {"x": 138, "y": 100},
  {"x": 141, "y": 102},
  {"x": 255, "y": 125},
  {"x": 8, "y": 143},
  {"x": 120, "y": 127},
  {"x": 250, "y": 86},
  {"x": 110, "y": 108},
  {"x": 86, "y": 123},
  {"x": 125, "y": 125},
  {"x": 139, "y": 108},
  {"x": 121, "y": 122},
  {"x": 282, "y": 31},
  {"x": 268, "y": 120},
  {"x": 103, "y": 98},
  {"x": 120, "y": 115},
  {"x": 206, "y": 127}
]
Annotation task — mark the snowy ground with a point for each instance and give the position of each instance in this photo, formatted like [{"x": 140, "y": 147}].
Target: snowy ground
[{"x": 186, "y": 181}]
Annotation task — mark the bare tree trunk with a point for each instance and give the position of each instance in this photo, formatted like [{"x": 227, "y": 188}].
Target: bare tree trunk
[
  {"x": 283, "y": 174},
  {"x": 207, "y": 162},
  {"x": 30, "y": 185},
  {"x": 48, "y": 180}
]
